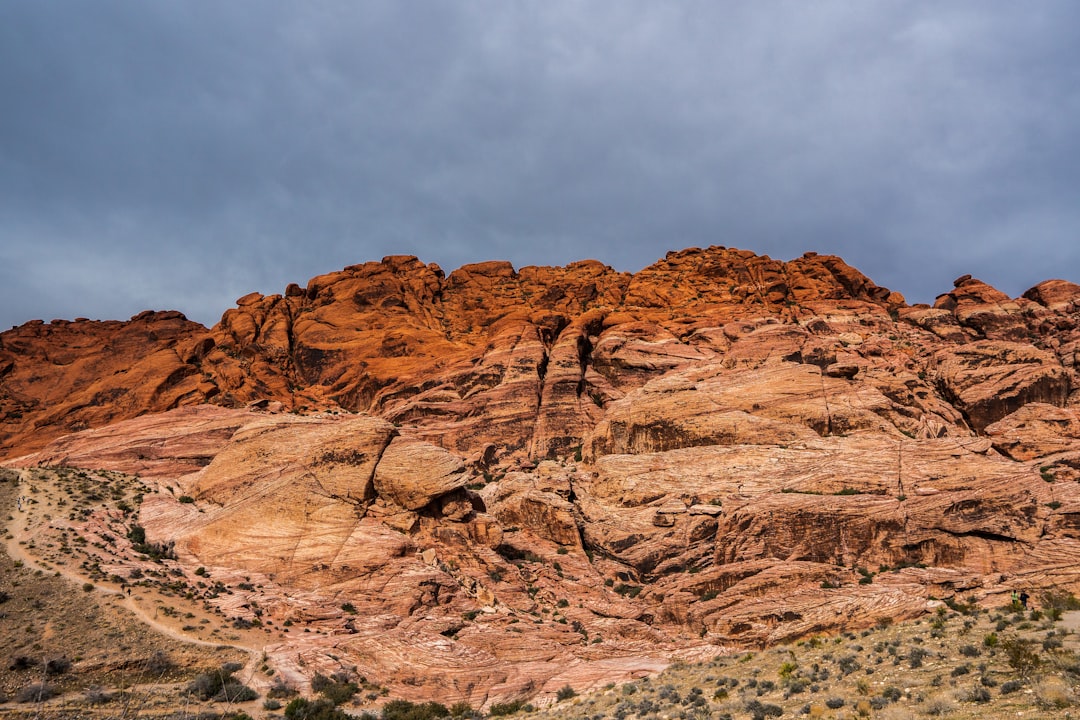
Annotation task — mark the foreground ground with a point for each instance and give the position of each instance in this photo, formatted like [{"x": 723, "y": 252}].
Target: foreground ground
[{"x": 77, "y": 643}]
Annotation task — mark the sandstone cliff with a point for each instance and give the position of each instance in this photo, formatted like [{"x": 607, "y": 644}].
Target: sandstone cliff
[{"x": 523, "y": 478}]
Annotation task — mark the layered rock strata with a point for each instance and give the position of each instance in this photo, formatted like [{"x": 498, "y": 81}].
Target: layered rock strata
[{"x": 523, "y": 478}]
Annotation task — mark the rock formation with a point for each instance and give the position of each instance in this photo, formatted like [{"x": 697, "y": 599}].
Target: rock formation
[{"x": 523, "y": 478}]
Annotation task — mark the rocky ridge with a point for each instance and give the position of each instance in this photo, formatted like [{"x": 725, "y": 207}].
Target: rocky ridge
[{"x": 523, "y": 478}]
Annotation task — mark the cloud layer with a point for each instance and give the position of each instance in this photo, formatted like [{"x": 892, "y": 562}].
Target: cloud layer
[{"x": 179, "y": 155}]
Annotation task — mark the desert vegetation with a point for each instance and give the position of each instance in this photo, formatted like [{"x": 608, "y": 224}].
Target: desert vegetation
[
  {"x": 969, "y": 662},
  {"x": 66, "y": 652}
]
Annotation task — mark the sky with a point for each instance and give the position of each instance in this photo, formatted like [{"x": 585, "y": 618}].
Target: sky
[{"x": 178, "y": 155}]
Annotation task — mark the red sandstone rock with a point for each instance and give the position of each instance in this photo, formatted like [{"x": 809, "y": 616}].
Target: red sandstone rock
[{"x": 699, "y": 456}]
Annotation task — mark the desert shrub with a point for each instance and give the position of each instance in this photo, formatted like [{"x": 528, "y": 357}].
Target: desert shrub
[
  {"x": 156, "y": 551},
  {"x": 647, "y": 707},
  {"x": 235, "y": 692},
  {"x": 280, "y": 689},
  {"x": 271, "y": 704},
  {"x": 405, "y": 710},
  {"x": 36, "y": 692},
  {"x": 976, "y": 694},
  {"x": 1021, "y": 655},
  {"x": 321, "y": 709},
  {"x": 834, "y": 703},
  {"x": 462, "y": 709},
  {"x": 186, "y": 499},
  {"x": 938, "y": 706},
  {"x": 220, "y": 685},
  {"x": 57, "y": 666},
  {"x": 1053, "y": 692},
  {"x": 960, "y": 670},
  {"x": 848, "y": 665},
  {"x": 508, "y": 708},
  {"x": 796, "y": 686},
  {"x": 1055, "y": 602},
  {"x": 759, "y": 710},
  {"x": 96, "y": 695},
  {"x": 21, "y": 662},
  {"x": 340, "y": 693},
  {"x": 916, "y": 657},
  {"x": 1011, "y": 686},
  {"x": 968, "y": 607},
  {"x": 565, "y": 693},
  {"x": 970, "y": 651},
  {"x": 159, "y": 663}
]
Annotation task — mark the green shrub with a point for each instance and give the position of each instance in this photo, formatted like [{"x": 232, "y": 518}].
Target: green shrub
[
  {"x": 759, "y": 710},
  {"x": 1021, "y": 655},
  {"x": 321, "y": 709},
  {"x": 220, "y": 685},
  {"x": 509, "y": 708},
  {"x": 565, "y": 693},
  {"x": 338, "y": 690},
  {"x": 405, "y": 710},
  {"x": 915, "y": 657},
  {"x": 1055, "y": 602},
  {"x": 462, "y": 709},
  {"x": 1011, "y": 686}
]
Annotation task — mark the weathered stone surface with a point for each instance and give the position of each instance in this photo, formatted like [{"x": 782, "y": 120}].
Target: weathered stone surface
[
  {"x": 412, "y": 473},
  {"x": 458, "y": 357},
  {"x": 989, "y": 312},
  {"x": 989, "y": 380},
  {"x": 717, "y": 452},
  {"x": 1036, "y": 430},
  {"x": 842, "y": 370}
]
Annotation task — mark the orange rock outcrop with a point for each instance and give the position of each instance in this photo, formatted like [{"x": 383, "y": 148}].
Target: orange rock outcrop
[{"x": 523, "y": 478}]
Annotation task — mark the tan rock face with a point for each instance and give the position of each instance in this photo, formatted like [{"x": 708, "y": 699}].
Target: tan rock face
[
  {"x": 1036, "y": 430},
  {"x": 572, "y": 474},
  {"x": 413, "y": 474},
  {"x": 989, "y": 380}
]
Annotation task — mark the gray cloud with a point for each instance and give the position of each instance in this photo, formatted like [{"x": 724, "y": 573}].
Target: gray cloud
[{"x": 179, "y": 155}]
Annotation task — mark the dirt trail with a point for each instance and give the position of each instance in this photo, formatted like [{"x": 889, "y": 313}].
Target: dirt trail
[{"x": 138, "y": 601}]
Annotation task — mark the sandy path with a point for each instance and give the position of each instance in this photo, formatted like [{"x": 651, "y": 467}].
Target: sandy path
[{"x": 20, "y": 531}]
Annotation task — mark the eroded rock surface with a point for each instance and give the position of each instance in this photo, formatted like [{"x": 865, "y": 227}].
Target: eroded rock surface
[{"x": 518, "y": 479}]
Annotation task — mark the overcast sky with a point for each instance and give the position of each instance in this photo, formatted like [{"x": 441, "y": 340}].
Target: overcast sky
[{"x": 178, "y": 155}]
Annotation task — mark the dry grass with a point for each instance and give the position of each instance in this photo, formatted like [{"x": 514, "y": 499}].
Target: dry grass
[
  {"x": 78, "y": 643},
  {"x": 939, "y": 666}
]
